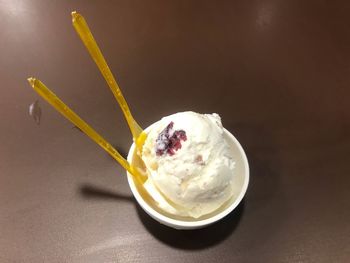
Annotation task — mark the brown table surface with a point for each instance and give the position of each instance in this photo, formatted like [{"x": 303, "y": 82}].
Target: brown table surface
[{"x": 278, "y": 73}]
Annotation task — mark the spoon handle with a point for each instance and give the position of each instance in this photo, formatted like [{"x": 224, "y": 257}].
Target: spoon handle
[
  {"x": 61, "y": 107},
  {"x": 87, "y": 38}
]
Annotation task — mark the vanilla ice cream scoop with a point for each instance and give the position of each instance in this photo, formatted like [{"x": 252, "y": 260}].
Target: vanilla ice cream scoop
[{"x": 189, "y": 163}]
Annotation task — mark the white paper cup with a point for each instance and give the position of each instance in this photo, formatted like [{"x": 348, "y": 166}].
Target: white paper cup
[{"x": 241, "y": 180}]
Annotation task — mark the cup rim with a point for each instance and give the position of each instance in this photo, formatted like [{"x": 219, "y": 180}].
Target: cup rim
[{"x": 181, "y": 224}]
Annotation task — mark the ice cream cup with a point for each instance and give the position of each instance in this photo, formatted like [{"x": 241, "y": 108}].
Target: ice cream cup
[{"x": 241, "y": 180}]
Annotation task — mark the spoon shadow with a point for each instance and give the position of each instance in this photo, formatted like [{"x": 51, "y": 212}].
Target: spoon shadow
[
  {"x": 193, "y": 239},
  {"x": 89, "y": 191}
]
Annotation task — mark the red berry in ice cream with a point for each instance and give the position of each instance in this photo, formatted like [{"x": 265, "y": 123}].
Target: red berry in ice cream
[{"x": 169, "y": 141}]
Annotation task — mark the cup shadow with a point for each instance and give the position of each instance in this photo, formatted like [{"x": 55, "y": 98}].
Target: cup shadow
[{"x": 196, "y": 239}]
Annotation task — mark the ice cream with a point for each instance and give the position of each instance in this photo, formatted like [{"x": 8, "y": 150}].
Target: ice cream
[{"x": 189, "y": 164}]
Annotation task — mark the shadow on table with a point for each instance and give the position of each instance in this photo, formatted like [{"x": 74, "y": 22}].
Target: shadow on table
[
  {"x": 266, "y": 146},
  {"x": 89, "y": 191},
  {"x": 193, "y": 239},
  {"x": 183, "y": 239}
]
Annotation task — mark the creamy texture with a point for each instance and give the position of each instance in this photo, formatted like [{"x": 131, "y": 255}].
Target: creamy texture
[{"x": 196, "y": 178}]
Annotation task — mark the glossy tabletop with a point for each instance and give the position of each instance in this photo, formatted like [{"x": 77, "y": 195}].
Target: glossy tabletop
[{"x": 278, "y": 73}]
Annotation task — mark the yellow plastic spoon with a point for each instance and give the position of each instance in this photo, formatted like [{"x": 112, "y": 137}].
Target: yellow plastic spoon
[
  {"x": 86, "y": 36},
  {"x": 61, "y": 107}
]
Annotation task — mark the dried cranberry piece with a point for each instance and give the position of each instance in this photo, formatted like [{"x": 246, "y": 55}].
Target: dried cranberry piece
[{"x": 169, "y": 141}]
